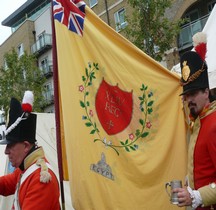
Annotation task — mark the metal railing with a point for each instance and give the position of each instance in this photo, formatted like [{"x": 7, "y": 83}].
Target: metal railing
[
  {"x": 47, "y": 68},
  {"x": 42, "y": 43},
  {"x": 49, "y": 96},
  {"x": 188, "y": 30}
]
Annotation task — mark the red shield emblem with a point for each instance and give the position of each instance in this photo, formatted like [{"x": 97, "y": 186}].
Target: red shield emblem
[{"x": 114, "y": 108}]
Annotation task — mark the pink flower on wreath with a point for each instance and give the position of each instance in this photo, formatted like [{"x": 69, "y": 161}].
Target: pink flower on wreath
[
  {"x": 148, "y": 125},
  {"x": 91, "y": 113},
  {"x": 131, "y": 136},
  {"x": 81, "y": 88}
]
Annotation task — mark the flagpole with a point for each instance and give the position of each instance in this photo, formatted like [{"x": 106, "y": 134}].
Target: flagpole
[{"x": 57, "y": 111}]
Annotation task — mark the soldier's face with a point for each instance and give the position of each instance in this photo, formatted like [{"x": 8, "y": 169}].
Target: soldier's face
[
  {"x": 197, "y": 100},
  {"x": 17, "y": 152}
]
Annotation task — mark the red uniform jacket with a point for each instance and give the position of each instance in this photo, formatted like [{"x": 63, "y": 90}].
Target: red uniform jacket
[
  {"x": 205, "y": 154},
  {"x": 33, "y": 194}
]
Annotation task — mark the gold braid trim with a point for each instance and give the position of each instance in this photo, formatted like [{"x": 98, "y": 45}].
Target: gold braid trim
[
  {"x": 45, "y": 176},
  {"x": 38, "y": 157},
  {"x": 193, "y": 76}
]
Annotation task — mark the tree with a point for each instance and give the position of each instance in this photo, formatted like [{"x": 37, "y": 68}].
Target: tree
[
  {"x": 18, "y": 75},
  {"x": 149, "y": 29}
]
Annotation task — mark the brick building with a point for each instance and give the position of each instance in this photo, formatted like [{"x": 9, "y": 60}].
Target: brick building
[
  {"x": 32, "y": 32},
  {"x": 196, "y": 12}
]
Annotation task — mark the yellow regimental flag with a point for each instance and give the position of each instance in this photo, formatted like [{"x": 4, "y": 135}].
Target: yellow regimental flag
[{"x": 123, "y": 120}]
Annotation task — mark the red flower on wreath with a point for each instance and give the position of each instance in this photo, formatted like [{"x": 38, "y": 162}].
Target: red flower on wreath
[
  {"x": 131, "y": 136},
  {"x": 81, "y": 88},
  {"x": 148, "y": 125}
]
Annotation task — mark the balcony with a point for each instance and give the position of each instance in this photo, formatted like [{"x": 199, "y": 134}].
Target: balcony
[
  {"x": 43, "y": 44},
  {"x": 188, "y": 30},
  {"x": 47, "y": 69},
  {"x": 49, "y": 97}
]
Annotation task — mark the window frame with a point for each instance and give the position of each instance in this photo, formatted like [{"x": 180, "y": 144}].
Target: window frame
[
  {"x": 20, "y": 50},
  {"x": 117, "y": 17},
  {"x": 93, "y": 4}
]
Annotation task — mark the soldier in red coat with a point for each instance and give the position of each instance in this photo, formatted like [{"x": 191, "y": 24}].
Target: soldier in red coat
[
  {"x": 200, "y": 190},
  {"x": 33, "y": 182}
]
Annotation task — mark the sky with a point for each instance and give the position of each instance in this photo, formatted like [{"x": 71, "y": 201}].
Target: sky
[{"x": 6, "y": 9}]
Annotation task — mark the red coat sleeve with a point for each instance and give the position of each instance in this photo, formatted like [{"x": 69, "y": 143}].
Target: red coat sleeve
[{"x": 8, "y": 183}]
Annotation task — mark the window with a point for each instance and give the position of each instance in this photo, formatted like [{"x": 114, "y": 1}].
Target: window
[
  {"x": 156, "y": 49},
  {"x": 48, "y": 87},
  {"x": 211, "y": 5},
  {"x": 24, "y": 74},
  {"x": 44, "y": 65},
  {"x": 49, "y": 93},
  {"x": 192, "y": 27},
  {"x": 20, "y": 50},
  {"x": 192, "y": 15},
  {"x": 120, "y": 19},
  {"x": 2, "y": 118},
  {"x": 92, "y": 3},
  {"x": 5, "y": 64},
  {"x": 41, "y": 40}
]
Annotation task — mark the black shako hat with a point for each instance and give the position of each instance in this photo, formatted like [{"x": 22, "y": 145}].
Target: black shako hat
[
  {"x": 194, "y": 69},
  {"x": 21, "y": 125}
]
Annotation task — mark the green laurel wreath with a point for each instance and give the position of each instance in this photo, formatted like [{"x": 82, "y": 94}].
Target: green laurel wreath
[{"x": 146, "y": 108}]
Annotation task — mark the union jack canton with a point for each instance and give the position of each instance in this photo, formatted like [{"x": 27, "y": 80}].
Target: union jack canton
[{"x": 70, "y": 13}]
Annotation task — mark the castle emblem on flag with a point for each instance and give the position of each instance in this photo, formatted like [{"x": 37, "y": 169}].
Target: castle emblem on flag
[
  {"x": 102, "y": 168},
  {"x": 71, "y": 13}
]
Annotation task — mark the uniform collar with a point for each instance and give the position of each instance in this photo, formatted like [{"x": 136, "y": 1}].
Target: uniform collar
[
  {"x": 33, "y": 156},
  {"x": 211, "y": 107}
]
